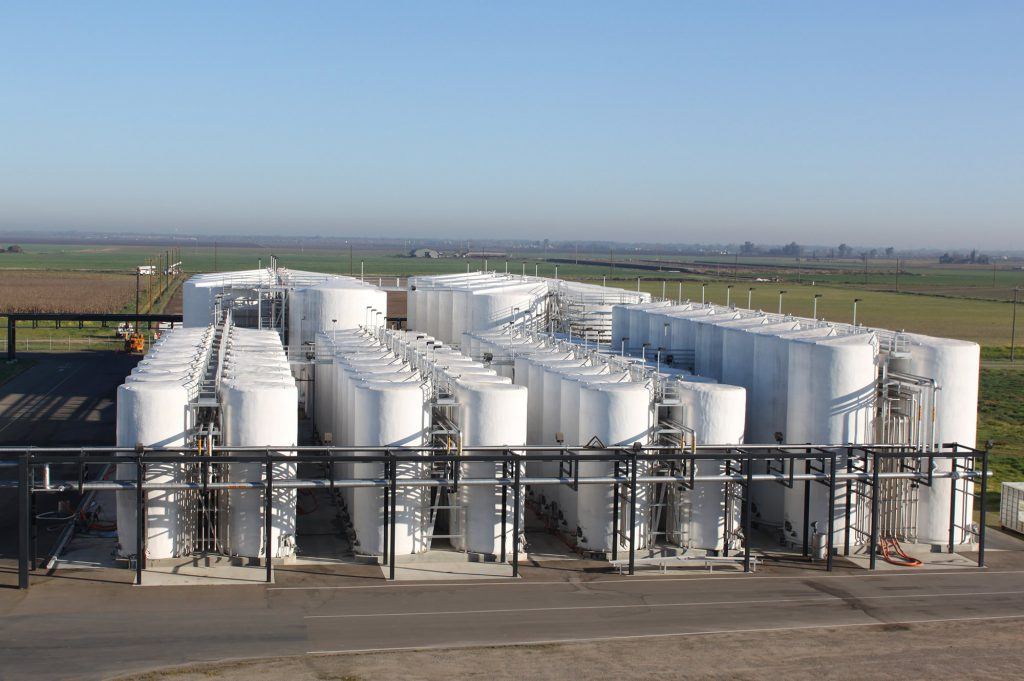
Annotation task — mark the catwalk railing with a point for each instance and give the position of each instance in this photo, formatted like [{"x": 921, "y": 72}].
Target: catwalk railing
[{"x": 835, "y": 466}]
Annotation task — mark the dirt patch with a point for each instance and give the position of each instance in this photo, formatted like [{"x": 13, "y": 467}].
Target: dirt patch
[
  {"x": 885, "y": 651},
  {"x": 36, "y": 291}
]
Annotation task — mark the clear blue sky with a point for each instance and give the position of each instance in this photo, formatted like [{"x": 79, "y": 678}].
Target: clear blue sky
[{"x": 868, "y": 122}]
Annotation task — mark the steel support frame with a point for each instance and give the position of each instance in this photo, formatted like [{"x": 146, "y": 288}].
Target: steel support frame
[{"x": 630, "y": 458}]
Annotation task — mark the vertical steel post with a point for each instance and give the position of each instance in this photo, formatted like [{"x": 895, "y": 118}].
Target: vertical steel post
[
  {"x": 982, "y": 500},
  {"x": 632, "y": 515},
  {"x": 873, "y": 552},
  {"x": 807, "y": 508},
  {"x": 515, "y": 523},
  {"x": 747, "y": 510},
  {"x": 24, "y": 510},
  {"x": 615, "y": 511},
  {"x": 11, "y": 330},
  {"x": 140, "y": 518},
  {"x": 849, "y": 500},
  {"x": 394, "y": 514},
  {"x": 386, "y": 498},
  {"x": 952, "y": 504},
  {"x": 830, "y": 541},
  {"x": 504, "y": 504},
  {"x": 34, "y": 548},
  {"x": 268, "y": 519}
]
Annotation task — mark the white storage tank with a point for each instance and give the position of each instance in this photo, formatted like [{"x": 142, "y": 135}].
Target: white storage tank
[
  {"x": 618, "y": 414},
  {"x": 489, "y": 414},
  {"x": 716, "y": 413},
  {"x": 391, "y": 414},
  {"x": 954, "y": 365},
  {"x": 831, "y": 391}
]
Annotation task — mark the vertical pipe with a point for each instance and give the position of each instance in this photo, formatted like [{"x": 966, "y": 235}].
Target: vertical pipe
[
  {"x": 515, "y": 523},
  {"x": 34, "y": 551},
  {"x": 394, "y": 514},
  {"x": 24, "y": 510},
  {"x": 982, "y": 499},
  {"x": 874, "y": 511},
  {"x": 140, "y": 518},
  {"x": 632, "y": 515},
  {"x": 830, "y": 541},
  {"x": 268, "y": 512},
  {"x": 747, "y": 529}
]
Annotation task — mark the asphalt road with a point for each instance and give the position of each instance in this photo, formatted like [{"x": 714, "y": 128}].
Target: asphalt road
[
  {"x": 82, "y": 627},
  {"x": 64, "y": 400}
]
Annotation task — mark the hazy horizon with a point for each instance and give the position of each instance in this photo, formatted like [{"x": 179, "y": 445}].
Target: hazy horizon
[{"x": 814, "y": 123}]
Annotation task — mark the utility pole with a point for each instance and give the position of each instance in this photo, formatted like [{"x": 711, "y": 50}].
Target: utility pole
[
  {"x": 815, "y": 313},
  {"x": 781, "y": 293},
  {"x": 138, "y": 271},
  {"x": 897, "y": 274},
  {"x": 1013, "y": 324},
  {"x": 855, "y": 301},
  {"x": 214, "y": 256},
  {"x": 750, "y": 296}
]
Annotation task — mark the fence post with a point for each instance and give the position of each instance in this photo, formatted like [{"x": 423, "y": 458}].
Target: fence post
[{"x": 24, "y": 511}]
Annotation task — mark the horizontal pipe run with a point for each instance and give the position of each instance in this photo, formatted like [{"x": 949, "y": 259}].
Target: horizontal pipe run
[{"x": 474, "y": 482}]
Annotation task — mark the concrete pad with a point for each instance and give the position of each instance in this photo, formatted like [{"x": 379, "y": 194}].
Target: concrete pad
[
  {"x": 191, "y": 573},
  {"x": 923, "y": 552},
  {"x": 439, "y": 571},
  {"x": 85, "y": 552}
]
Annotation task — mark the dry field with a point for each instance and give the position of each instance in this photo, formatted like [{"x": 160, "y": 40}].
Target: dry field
[{"x": 38, "y": 291}]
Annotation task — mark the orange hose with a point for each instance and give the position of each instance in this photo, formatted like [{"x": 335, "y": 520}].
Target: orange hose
[{"x": 901, "y": 558}]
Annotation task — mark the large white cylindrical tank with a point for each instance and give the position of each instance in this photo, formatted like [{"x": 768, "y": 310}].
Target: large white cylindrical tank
[
  {"x": 343, "y": 304},
  {"x": 638, "y": 324},
  {"x": 569, "y": 417},
  {"x": 490, "y": 414},
  {"x": 659, "y": 331},
  {"x": 618, "y": 414},
  {"x": 708, "y": 349},
  {"x": 831, "y": 390},
  {"x": 716, "y": 413},
  {"x": 389, "y": 414},
  {"x": 767, "y": 408},
  {"x": 954, "y": 365},
  {"x": 255, "y": 413},
  {"x": 550, "y": 385},
  {"x": 682, "y": 331},
  {"x": 154, "y": 414}
]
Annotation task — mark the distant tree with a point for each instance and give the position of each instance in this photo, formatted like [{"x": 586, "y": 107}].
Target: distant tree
[
  {"x": 889, "y": 252},
  {"x": 792, "y": 248},
  {"x": 748, "y": 247},
  {"x": 15, "y": 248},
  {"x": 844, "y": 251},
  {"x": 873, "y": 253}
]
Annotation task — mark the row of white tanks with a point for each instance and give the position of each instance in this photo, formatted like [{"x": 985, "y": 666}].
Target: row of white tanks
[
  {"x": 313, "y": 301},
  {"x": 446, "y": 306},
  {"x": 578, "y": 396},
  {"x": 259, "y": 408},
  {"x": 375, "y": 390},
  {"x": 153, "y": 410},
  {"x": 813, "y": 382}
]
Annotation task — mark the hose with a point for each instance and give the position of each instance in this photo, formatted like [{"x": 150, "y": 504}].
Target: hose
[{"x": 891, "y": 544}]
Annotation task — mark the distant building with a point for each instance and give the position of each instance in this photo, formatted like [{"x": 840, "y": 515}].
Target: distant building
[{"x": 424, "y": 253}]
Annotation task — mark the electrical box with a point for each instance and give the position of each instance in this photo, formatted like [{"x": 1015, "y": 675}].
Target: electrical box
[{"x": 1011, "y": 507}]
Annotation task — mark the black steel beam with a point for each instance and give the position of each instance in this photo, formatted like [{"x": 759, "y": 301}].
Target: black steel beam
[
  {"x": 268, "y": 519},
  {"x": 24, "y": 511}
]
